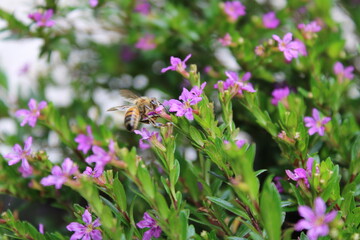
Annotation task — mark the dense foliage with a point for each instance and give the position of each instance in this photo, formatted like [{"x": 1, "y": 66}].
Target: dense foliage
[{"x": 257, "y": 133}]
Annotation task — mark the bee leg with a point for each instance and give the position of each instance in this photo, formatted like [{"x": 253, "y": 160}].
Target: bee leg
[{"x": 155, "y": 124}]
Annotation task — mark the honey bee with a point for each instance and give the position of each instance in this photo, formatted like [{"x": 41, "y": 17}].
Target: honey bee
[{"x": 138, "y": 111}]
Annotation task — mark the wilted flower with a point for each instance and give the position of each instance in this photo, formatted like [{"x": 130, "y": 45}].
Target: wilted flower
[
  {"x": 270, "y": 21},
  {"x": 226, "y": 40},
  {"x": 287, "y": 46},
  {"x": 146, "y": 43},
  {"x": 101, "y": 157},
  {"x": 315, "y": 123},
  {"x": 85, "y": 141},
  {"x": 235, "y": 85},
  {"x": 279, "y": 94},
  {"x": 86, "y": 231},
  {"x": 177, "y": 65},
  {"x": 146, "y": 135},
  {"x": 93, "y": 3},
  {"x": 60, "y": 175},
  {"x": 31, "y": 115},
  {"x": 149, "y": 222},
  {"x": 43, "y": 19},
  {"x": 234, "y": 10},
  {"x": 315, "y": 220},
  {"x": 309, "y": 30},
  {"x": 143, "y": 7},
  {"x": 21, "y": 154},
  {"x": 342, "y": 72}
]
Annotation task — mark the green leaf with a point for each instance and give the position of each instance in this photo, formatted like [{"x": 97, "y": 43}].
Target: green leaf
[
  {"x": 120, "y": 196},
  {"x": 146, "y": 181},
  {"x": 270, "y": 208},
  {"x": 228, "y": 206}
]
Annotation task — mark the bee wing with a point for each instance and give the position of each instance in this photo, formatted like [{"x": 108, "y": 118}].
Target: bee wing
[
  {"x": 119, "y": 108},
  {"x": 128, "y": 95}
]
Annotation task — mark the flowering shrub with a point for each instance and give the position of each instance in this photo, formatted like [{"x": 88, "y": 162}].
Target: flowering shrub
[{"x": 256, "y": 137}]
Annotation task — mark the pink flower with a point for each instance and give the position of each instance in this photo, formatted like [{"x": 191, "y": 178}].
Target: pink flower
[
  {"x": 302, "y": 47},
  {"x": 60, "y": 175},
  {"x": 278, "y": 185},
  {"x": 302, "y": 175},
  {"x": 309, "y": 30},
  {"x": 93, "y": 3},
  {"x": 41, "y": 228},
  {"x": 146, "y": 43},
  {"x": 146, "y": 135},
  {"x": 315, "y": 123},
  {"x": 270, "y": 21},
  {"x": 226, "y": 40},
  {"x": 279, "y": 94},
  {"x": 143, "y": 7},
  {"x": 240, "y": 143},
  {"x": 287, "y": 46},
  {"x": 85, "y": 141},
  {"x": 188, "y": 98},
  {"x": 342, "y": 72},
  {"x": 43, "y": 19},
  {"x": 23, "y": 155},
  {"x": 315, "y": 220},
  {"x": 92, "y": 173},
  {"x": 86, "y": 231},
  {"x": 101, "y": 157},
  {"x": 149, "y": 222},
  {"x": 31, "y": 115},
  {"x": 235, "y": 85},
  {"x": 234, "y": 10},
  {"x": 176, "y": 64}
]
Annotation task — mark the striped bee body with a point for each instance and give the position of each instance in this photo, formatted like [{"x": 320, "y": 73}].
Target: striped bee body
[{"x": 132, "y": 118}]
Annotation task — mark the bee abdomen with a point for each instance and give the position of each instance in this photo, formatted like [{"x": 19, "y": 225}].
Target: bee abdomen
[{"x": 132, "y": 117}]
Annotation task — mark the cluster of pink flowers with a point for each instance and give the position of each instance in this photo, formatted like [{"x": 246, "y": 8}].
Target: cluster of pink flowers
[
  {"x": 235, "y": 85},
  {"x": 291, "y": 49},
  {"x": 187, "y": 99}
]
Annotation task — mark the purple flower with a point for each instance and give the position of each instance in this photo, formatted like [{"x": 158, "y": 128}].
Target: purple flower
[
  {"x": 309, "y": 30},
  {"x": 342, "y": 72},
  {"x": 146, "y": 135},
  {"x": 234, "y": 10},
  {"x": 315, "y": 220},
  {"x": 149, "y": 222},
  {"x": 287, "y": 46},
  {"x": 101, "y": 157},
  {"x": 226, "y": 40},
  {"x": 240, "y": 143},
  {"x": 279, "y": 94},
  {"x": 146, "y": 43},
  {"x": 93, "y": 3},
  {"x": 270, "y": 21},
  {"x": 43, "y": 19},
  {"x": 60, "y": 175},
  {"x": 302, "y": 47},
  {"x": 24, "y": 69},
  {"x": 85, "y": 141},
  {"x": 21, "y": 154},
  {"x": 298, "y": 175},
  {"x": 278, "y": 184},
  {"x": 188, "y": 98},
  {"x": 143, "y": 7},
  {"x": 176, "y": 64},
  {"x": 31, "y": 115},
  {"x": 235, "y": 85},
  {"x": 92, "y": 173},
  {"x": 41, "y": 228},
  {"x": 87, "y": 231},
  {"x": 315, "y": 123}
]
